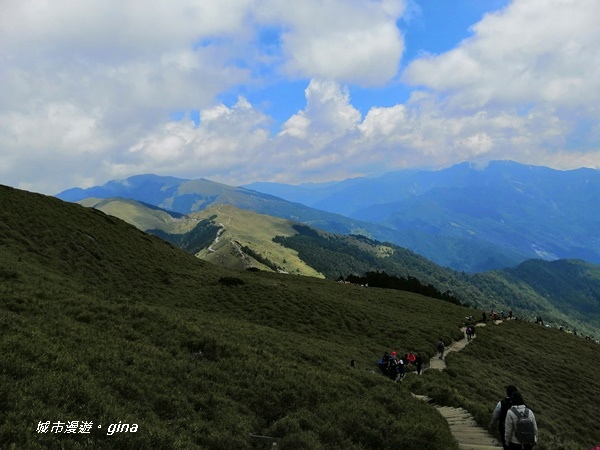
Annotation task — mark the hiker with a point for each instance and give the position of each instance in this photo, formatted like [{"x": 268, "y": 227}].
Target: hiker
[
  {"x": 384, "y": 363},
  {"x": 484, "y": 317},
  {"x": 499, "y": 414},
  {"x": 510, "y": 315},
  {"x": 399, "y": 369},
  {"x": 441, "y": 347},
  {"x": 418, "y": 363},
  {"x": 389, "y": 365},
  {"x": 521, "y": 430},
  {"x": 469, "y": 333}
]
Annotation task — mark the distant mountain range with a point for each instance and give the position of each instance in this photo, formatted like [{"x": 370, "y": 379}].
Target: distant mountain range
[
  {"x": 510, "y": 211},
  {"x": 465, "y": 218}
]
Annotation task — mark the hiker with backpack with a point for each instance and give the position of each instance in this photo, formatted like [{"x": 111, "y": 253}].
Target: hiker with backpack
[
  {"x": 441, "y": 347},
  {"x": 499, "y": 414},
  {"x": 520, "y": 427},
  {"x": 469, "y": 332}
]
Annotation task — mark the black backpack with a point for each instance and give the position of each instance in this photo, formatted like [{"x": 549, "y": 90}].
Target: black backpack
[{"x": 524, "y": 429}]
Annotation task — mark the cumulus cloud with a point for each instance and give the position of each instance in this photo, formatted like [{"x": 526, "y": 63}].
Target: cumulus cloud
[
  {"x": 520, "y": 87},
  {"x": 234, "y": 144},
  {"x": 531, "y": 52},
  {"x": 89, "y": 91},
  {"x": 354, "y": 41},
  {"x": 328, "y": 112},
  {"x": 312, "y": 138},
  {"x": 226, "y": 141},
  {"x": 101, "y": 79}
]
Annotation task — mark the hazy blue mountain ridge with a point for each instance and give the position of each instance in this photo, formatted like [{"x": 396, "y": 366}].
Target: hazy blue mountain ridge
[
  {"x": 187, "y": 196},
  {"x": 520, "y": 211},
  {"x": 463, "y": 217}
]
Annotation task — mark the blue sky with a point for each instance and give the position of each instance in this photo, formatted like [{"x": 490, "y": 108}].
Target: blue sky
[
  {"x": 429, "y": 26},
  {"x": 268, "y": 90}
]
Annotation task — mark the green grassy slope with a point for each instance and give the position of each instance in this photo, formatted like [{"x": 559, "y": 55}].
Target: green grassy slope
[
  {"x": 563, "y": 292},
  {"x": 240, "y": 230},
  {"x": 102, "y": 322},
  {"x": 556, "y": 372},
  {"x": 143, "y": 216},
  {"x": 247, "y": 241},
  {"x": 573, "y": 285}
]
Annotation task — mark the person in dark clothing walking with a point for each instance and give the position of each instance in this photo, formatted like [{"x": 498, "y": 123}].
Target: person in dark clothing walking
[
  {"x": 499, "y": 414},
  {"x": 441, "y": 348},
  {"x": 418, "y": 363},
  {"x": 469, "y": 332}
]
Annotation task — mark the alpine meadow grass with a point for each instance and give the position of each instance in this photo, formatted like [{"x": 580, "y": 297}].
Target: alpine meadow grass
[{"x": 104, "y": 325}]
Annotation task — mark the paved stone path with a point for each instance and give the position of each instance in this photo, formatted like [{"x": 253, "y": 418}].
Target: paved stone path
[{"x": 465, "y": 430}]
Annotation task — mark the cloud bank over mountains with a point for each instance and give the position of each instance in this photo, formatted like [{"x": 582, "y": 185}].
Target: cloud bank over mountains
[{"x": 99, "y": 90}]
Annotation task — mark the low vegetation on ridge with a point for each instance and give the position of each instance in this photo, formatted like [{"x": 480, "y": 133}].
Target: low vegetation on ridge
[
  {"x": 105, "y": 323},
  {"x": 563, "y": 292}
]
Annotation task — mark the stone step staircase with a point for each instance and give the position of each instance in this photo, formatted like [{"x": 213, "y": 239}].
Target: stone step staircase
[
  {"x": 465, "y": 430},
  {"x": 463, "y": 427}
]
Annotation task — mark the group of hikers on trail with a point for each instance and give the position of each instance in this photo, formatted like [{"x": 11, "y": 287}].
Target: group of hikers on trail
[
  {"x": 394, "y": 365},
  {"x": 516, "y": 422}
]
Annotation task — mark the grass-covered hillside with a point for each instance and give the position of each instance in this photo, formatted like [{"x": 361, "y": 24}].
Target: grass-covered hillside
[
  {"x": 221, "y": 234},
  {"x": 246, "y": 241},
  {"x": 143, "y": 215},
  {"x": 556, "y": 372},
  {"x": 102, "y": 323},
  {"x": 564, "y": 293}
]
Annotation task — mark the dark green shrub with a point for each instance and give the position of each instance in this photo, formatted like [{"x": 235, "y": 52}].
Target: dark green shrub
[{"x": 231, "y": 281}]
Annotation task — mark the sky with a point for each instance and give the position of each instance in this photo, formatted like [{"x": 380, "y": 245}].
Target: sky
[{"x": 238, "y": 91}]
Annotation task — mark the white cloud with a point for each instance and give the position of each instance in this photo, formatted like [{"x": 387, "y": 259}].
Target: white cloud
[
  {"x": 88, "y": 90},
  {"x": 354, "y": 41},
  {"x": 328, "y": 111},
  {"x": 226, "y": 141},
  {"x": 532, "y": 52},
  {"x": 234, "y": 145},
  {"x": 99, "y": 77},
  {"x": 125, "y": 28}
]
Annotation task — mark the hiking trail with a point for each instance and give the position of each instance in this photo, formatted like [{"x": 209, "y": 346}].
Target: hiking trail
[{"x": 463, "y": 427}]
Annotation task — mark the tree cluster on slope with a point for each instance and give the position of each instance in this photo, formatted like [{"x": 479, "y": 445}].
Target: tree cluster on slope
[{"x": 410, "y": 284}]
